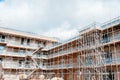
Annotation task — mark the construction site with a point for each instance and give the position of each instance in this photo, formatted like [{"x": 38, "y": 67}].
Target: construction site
[{"x": 93, "y": 54}]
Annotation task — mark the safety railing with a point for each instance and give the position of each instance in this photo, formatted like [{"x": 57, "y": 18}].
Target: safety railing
[
  {"x": 61, "y": 66},
  {"x": 16, "y": 65},
  {"x": 17, "y": 54},
  {"x": 40, "y": 56},
  {"x": 63, "y": 52},
  {"x": 62, "y": 42},
  {"x": 2, "y": 40},
  {"x": 17, "y": 43},
  {"x": 111, "y": 22}
]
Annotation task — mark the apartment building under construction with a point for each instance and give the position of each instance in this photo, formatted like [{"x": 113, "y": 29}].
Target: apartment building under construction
[{"x": 94, "y": 54}]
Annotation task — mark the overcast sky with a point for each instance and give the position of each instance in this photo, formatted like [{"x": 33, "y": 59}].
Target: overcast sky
[{"x": 56, "y": 18}]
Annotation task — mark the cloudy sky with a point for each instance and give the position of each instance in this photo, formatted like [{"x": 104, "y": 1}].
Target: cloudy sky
[{"x": 56, "y": 18}]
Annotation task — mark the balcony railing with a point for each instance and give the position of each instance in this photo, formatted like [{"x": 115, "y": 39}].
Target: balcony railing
[
  {"x": 111, "y": 22},
  {"x": 71, "y": 50},
  {"x": 63, "y": 42},
  {"x": 17, "y": 66},
  {"x": 105, "y": 61},
  {"x": 40, "y": 56},
  {"x": 61, "y": 66},
  {"x": 115, "y": 37},
  {"x": 17, "y": 54},
  {"x": 2, "y": 40},
  {"x": 15, "y": 43},
  {"x": 61, "y": 53}
]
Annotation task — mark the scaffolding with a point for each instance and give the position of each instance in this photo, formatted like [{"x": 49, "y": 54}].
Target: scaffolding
[{"x": 94, "y": 54}]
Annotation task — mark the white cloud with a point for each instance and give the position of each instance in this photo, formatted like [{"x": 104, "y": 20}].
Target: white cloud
[
  {"x": 63, "y": 32},
  {"x": 22, "y": 13},
  {"x": 89, "y": 8},
  {"x": 56, "y": 18}
]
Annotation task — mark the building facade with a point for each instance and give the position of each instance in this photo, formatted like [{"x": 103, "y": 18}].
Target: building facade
[
  {"x": 94, "y": 54},
  {"x": 16, "y": 49}
]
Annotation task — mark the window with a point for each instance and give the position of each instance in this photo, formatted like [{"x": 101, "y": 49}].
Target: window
[
  {"x": 3, "y": 38},
  {"x": 108, "y": 57},
  {"x": 88, "y": 60},
  {"x": 106, "y": 38},
  {"x": 78, "y": 73},
  {"x": 27, "y": 63},
  {"x": 39, "y": 43},
  {"x": 1, "y": 48},
  {"x": 70, "y": 77},
  {"x": 61, "y": 74},
  {"x": 70, "y": 62},
  {"x": 28, "y": 41},
  {"x": 44, "y": 43},
  {"x": 20, "y": 63},
  {"x": 88, "y": 76},
  {"x": 111, "y": 75},
  {"x": 78, "y": 60},
  {"x": 62, "y": 62},
  {"x": 0, "y": 60},
  {"x": 22, "y": 41},
  {"x": 21, "y": 51}
]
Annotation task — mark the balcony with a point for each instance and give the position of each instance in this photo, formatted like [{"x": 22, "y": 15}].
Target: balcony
[
  {"x": 112, "y": 38},
  {"x": 110, "y": 23},
  {"x": 18, "y": 44},
  {"x": 15, "y": 65},
  {"x": 60, "y": 66},
  {"x": 105, "y": 40},
  {"x": 63, "y": 52},
  {"x": 113, "y": 60},
  {"x": 117, "y": 36},
  {"x": 103, "y": 59},
  {"x": 15, "y": 54},
  {"x": 40, "y": 56},
  {"x": 3, "y": 41}
]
